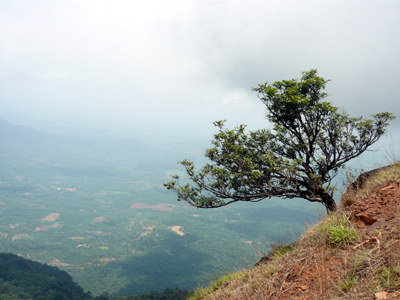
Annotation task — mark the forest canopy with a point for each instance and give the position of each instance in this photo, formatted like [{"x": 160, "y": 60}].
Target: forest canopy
[{"x": 25, "y": 279}]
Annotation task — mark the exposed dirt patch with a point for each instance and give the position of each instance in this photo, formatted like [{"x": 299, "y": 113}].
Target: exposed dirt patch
[
  {"x": 46, "y": 227},
  {"x": 51, "y": 217},
  {"x": 61, "y": 188},
  {"x": 57, "y": 263},
  {"x": 19, "y": 177},
  {"x": 144, "y": 233},
  {"x": 107, "y": 259},
  {"x": 19, "y": 236},
  {"x": 97, "y": 220},
  {"x": 158, "y": 207},
  {"x": 379, "y": 212},
  {"x": 177, "y": 229}
]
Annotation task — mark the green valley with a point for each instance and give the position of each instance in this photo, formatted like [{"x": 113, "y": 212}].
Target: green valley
[{"x": 97, "y": 209}]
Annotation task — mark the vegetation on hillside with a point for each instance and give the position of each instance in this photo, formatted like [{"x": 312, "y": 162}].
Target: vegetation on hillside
[
  {"x": 25, "y": 279},
  {"x": 352, "y": 253},
  {"x": 167, "y": 294}
]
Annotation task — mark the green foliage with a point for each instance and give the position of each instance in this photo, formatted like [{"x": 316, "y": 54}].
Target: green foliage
[
  {"x": 216, "y": 284},
  {"x": 309, "y": 143},
  {"x": 220, "y": 281},
  {"x": 389, "y": 278},
  {"x": 25, "y": 279},
  {"x": 338, "y": 230},
  {"x": 341, "y": 234},
  {"x": 348, "y": 284},
  {"x": 279, "y": 250},
  {"x": 167, "y": 294}
]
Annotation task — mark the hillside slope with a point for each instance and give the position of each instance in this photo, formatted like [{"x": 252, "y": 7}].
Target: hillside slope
[
  {"x": 26, "y": 279},
  {"x": 353, "y": 253}
]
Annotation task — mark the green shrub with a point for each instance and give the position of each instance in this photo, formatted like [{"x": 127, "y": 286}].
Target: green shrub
[
  {"x": 348, "y": 284},
  {"x": 338, "y": 230},
  {"x": 277, "y": 251}
]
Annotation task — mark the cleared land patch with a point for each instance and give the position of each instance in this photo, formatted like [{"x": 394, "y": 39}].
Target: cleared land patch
[
  {"x": 57, "y": 263},
  {"x": 177, "y": 229},
  {"x": 159, "y": 207},
  {"x": 97, "y": 220},
  {"x": 46, "y": 227},
  {"x": 19, "y": 236},
  {"x": 51, "y": 217}
]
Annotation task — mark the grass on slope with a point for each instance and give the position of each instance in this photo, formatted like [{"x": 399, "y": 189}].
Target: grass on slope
[{"x": 335, "y": 259}]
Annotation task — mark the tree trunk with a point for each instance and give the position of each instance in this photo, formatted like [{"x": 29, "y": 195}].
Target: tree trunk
[
  {"x": 329, "y": 202},
  {"x": 326, "y": 199}
]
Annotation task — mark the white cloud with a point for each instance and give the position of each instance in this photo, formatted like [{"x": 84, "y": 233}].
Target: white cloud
[
  {"x": 179, "y": 65},
  {"x": 236, "y": 98}
]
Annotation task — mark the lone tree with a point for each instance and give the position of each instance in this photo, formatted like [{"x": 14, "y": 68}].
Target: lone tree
[{"x": 309, "y": 142}]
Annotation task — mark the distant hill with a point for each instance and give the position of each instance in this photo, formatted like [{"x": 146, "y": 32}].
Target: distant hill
[
  {"x": 25, "y": 279},
  {"x": 28, "y": 141},
  {"x": 9, "y": 132},
  {"x": 20, "y": 133}
]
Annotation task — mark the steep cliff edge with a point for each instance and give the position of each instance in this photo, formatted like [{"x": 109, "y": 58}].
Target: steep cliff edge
[{"x": 353, "y": 253}]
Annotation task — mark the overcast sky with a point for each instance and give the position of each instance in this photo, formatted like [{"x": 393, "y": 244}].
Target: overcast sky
[{"x": 174, "y": 67}]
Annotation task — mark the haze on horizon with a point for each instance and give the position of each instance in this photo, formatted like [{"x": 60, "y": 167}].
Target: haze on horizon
[{"x": 168, "y": 69}]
